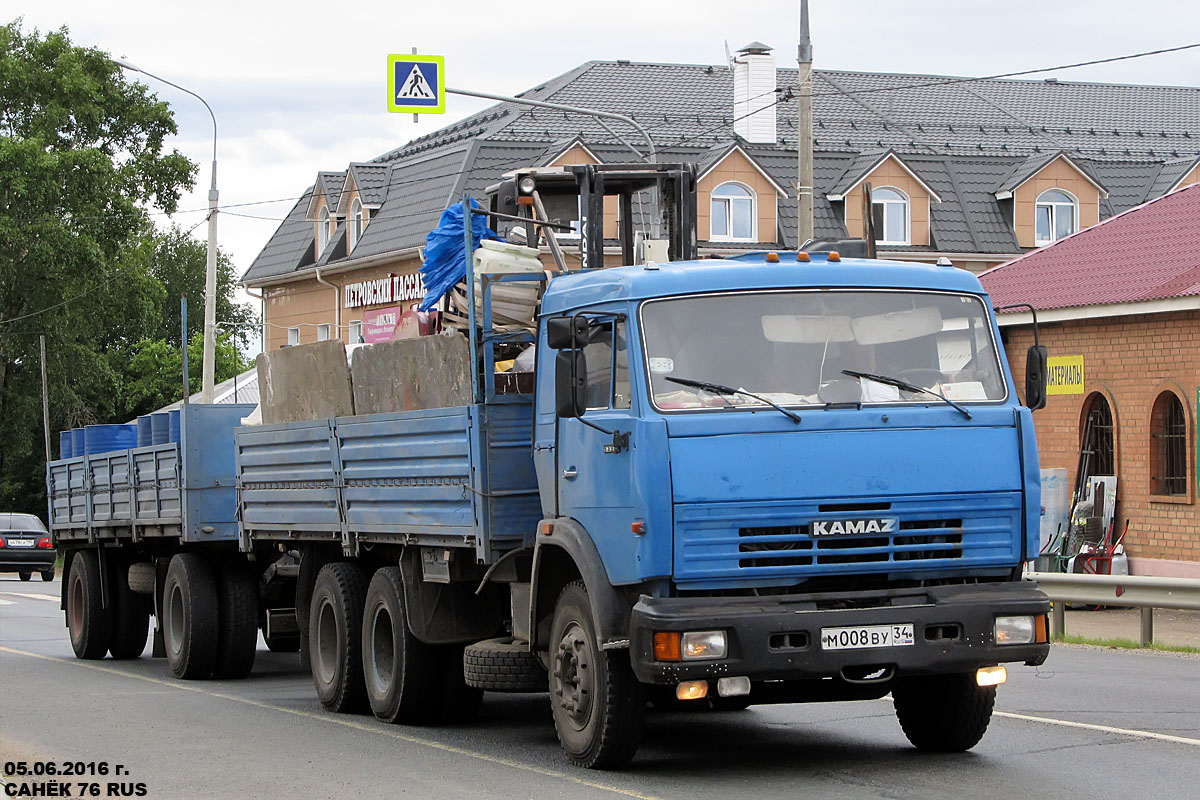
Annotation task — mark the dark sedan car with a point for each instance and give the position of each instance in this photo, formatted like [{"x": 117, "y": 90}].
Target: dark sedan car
[{"x": 25, "y": 546}]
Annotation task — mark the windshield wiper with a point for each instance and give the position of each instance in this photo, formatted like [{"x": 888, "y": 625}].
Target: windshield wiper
[
  {"x": 906, "y": 386},
  {"x": 716, "y": 388}
]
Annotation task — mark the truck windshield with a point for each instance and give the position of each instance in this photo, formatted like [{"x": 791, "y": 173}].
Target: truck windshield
[{"x": 792, "y": 347}]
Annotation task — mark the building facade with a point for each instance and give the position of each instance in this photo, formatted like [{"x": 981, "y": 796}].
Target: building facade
[
  {"x": 1119, "y": 310},
  {"x": 977, "y": 171}
]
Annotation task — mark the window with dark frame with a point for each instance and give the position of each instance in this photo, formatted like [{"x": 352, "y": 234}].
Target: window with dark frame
[
  {"x": 1098, "y": 437},
  {"x": 1168, "y": 447}
]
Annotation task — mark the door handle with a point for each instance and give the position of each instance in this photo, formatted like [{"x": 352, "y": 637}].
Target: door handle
[{"x": 569, "y": 473}]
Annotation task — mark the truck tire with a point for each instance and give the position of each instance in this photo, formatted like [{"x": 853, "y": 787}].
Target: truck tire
[
  {"x": 130, "y": 614},
  {"x": 335, "y": 628},
  {"x": 88, "y": 621},
  {"x": 943, "y": 713},
  {"x": 503, "y": 665},
  {"x": 191, "y": 619},
  {"x": 598, "y": 705},
  {"x": 460, "y": 701},
  {"x": 237, "y": 635},
  {"x": 402, "y": 675},
  {"x": 283, "y": 643}
]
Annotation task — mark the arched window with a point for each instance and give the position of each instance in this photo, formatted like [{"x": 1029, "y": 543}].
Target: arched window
[
  {"x": 322, "y": 230},
  {"x": 889, "y": 214},
  {"x": 1057, "y": 216},
  {"x": 356, "y": 223},
  {"x": 1098, "y": 449},
  {"x": 1168, "y": 447},
  {"x": 734, "y": 216}
]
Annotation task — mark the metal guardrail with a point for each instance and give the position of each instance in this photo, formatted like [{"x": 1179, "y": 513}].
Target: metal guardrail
[{"x": 1140, "y": 591}]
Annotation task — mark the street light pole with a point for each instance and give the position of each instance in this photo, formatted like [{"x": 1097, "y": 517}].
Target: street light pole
[{"x": 210, "y": 275}]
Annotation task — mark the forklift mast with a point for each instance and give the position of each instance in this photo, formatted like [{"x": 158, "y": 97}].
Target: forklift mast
[{"x": 655, "y": 200}]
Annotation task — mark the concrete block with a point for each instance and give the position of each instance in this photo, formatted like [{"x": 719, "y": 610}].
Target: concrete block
[
  {"x": 412, "y": 374},
  {"x": 305, "y": 382}
]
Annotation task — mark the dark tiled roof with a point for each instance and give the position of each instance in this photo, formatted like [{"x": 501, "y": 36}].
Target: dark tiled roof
[
  {"x": 1171, "y": 173},
  {"x": 284, "y": 251},
  {"x": 964, "y": 138},
  {"x": 1034, "y": 164},
  {"x": 331, "y": 184},
  {"x": 336, "y": 249},
  {"x": 855, "y": 170},
  {"x": 371, "y": 180},
  {"x": 1151, "y": 252}
]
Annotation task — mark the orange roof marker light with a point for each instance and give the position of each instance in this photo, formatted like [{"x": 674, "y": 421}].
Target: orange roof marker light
[
  {"x": 802, "y": 257},
  {"x": 772, "y": 258},
  {"x": 834, "y": 255}
]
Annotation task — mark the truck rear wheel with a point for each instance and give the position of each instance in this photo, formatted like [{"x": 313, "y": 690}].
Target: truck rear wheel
[
  {"x": 598, "y": 705},
  {"x": 190, "y": 616},
  {"x": 401, "y": 673},
  {"x": 943, "y": 713},
  {"x": 130, "y": 614},
  {"x": 335, "y": 628},
  {"x": 88, "y": 621},
  {"x": 237, "y": 637}
]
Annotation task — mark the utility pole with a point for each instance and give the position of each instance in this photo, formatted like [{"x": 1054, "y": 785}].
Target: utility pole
[{"x": 804, "y": 138}]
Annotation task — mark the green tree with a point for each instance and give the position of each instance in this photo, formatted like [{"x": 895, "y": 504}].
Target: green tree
[
  {"x": 155, "y": 374},
  {"x": 82, "y": 155}
]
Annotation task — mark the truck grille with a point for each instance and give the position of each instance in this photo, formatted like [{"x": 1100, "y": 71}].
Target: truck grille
[{"x": 775, "y": 540}]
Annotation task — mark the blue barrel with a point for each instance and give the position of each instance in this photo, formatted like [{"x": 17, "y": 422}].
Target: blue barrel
[
  {"x": 145, "y": 436},
  {"x": 77, "y": 449},
  {"x": 64, "y": 444},
  {"x": 173, "y": 426},
  {"x": 107, "y": 438},
  {"x": 160, "y": 428}
]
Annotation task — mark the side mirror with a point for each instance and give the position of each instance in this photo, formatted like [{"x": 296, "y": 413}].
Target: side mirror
[
  {"x": 570, "y": 383},
  {"x": 1036, "y": 377},
  {"x": 566, "y": 333}
]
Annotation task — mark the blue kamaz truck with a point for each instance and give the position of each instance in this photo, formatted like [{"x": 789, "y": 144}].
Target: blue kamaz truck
[{"x": 774, "y": 478}]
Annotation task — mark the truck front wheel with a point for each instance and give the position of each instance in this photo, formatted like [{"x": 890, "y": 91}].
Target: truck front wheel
[
  {"x": 335, "y": 625},
  {"x": 943, "y": 713},
  {"x": 598, "y": 705}
]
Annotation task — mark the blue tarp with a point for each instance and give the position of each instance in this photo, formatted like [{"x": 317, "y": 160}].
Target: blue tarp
[{"x": 445, "y": 262}]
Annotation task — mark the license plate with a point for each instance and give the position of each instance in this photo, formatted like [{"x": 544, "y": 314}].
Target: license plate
[
  {"x": 21, "y": 543},
  {"x": 864, "y": 636}
]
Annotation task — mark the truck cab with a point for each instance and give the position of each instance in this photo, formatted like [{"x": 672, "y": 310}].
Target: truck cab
[{"x": 804, "y": 477}]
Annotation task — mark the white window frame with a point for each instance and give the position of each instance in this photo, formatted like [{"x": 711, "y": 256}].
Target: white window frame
[
  {"x": 357, "y": 223},
  {"x": 293, "y": 336},
  {"x": 356, "y": 331},
  {"x": 322, "y": 230},
  {"x": 1055, "y": 206},
  {"x": 728, "y": 202},
  {"x": 323, "y": 332},
  {"x": 906, "y": 201}
]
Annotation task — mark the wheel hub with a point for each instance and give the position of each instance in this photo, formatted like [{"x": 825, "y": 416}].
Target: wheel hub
[{"x": 574, "y": 676}]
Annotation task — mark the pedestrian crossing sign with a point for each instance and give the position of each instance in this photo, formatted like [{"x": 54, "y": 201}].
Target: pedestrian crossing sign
[{"x": 417, "y": 84}]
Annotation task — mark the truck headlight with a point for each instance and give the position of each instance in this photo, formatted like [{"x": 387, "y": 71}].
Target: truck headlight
[
  {"x": 702, "y": 645},
  {"x": 1014, "y": 630}
]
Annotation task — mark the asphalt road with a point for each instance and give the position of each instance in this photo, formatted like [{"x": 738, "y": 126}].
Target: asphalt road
[{"x": 1088, "y": 724}]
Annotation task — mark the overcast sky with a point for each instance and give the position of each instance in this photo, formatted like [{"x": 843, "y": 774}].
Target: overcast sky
[{"x": 301, "y": 86}]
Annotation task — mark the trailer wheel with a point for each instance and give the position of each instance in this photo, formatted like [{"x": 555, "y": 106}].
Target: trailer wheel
[
  {"x": 335, "y": 626},
  {"x": 943, "y": 713},
  {"x": 88, "y": 621},
  {"x": 460, "y": 701},
  {"x": 598, "y": 705},
  {"x": 402, "y": 673},
  {"x": 237, "y": 636},
  {"x": 130, "y": 614},
  {"x": 190, "y": 616},
  {"x": 503, "y": 665}
]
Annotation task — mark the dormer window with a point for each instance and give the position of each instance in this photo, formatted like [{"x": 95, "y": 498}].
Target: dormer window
[
  {"x": 889, "y": 215},
  {"x": 734, "y": 216},
  {"x": 1057, "y": 216},
  {"x": 356, "y": 223},
  {"x": 324, "y": 231}
]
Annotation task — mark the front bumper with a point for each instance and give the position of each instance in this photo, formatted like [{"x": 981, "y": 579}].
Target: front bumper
[{"x": 779, "y": 638}]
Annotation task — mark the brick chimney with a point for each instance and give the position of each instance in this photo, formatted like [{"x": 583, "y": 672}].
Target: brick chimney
[{"x": 754, "y": 94}]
